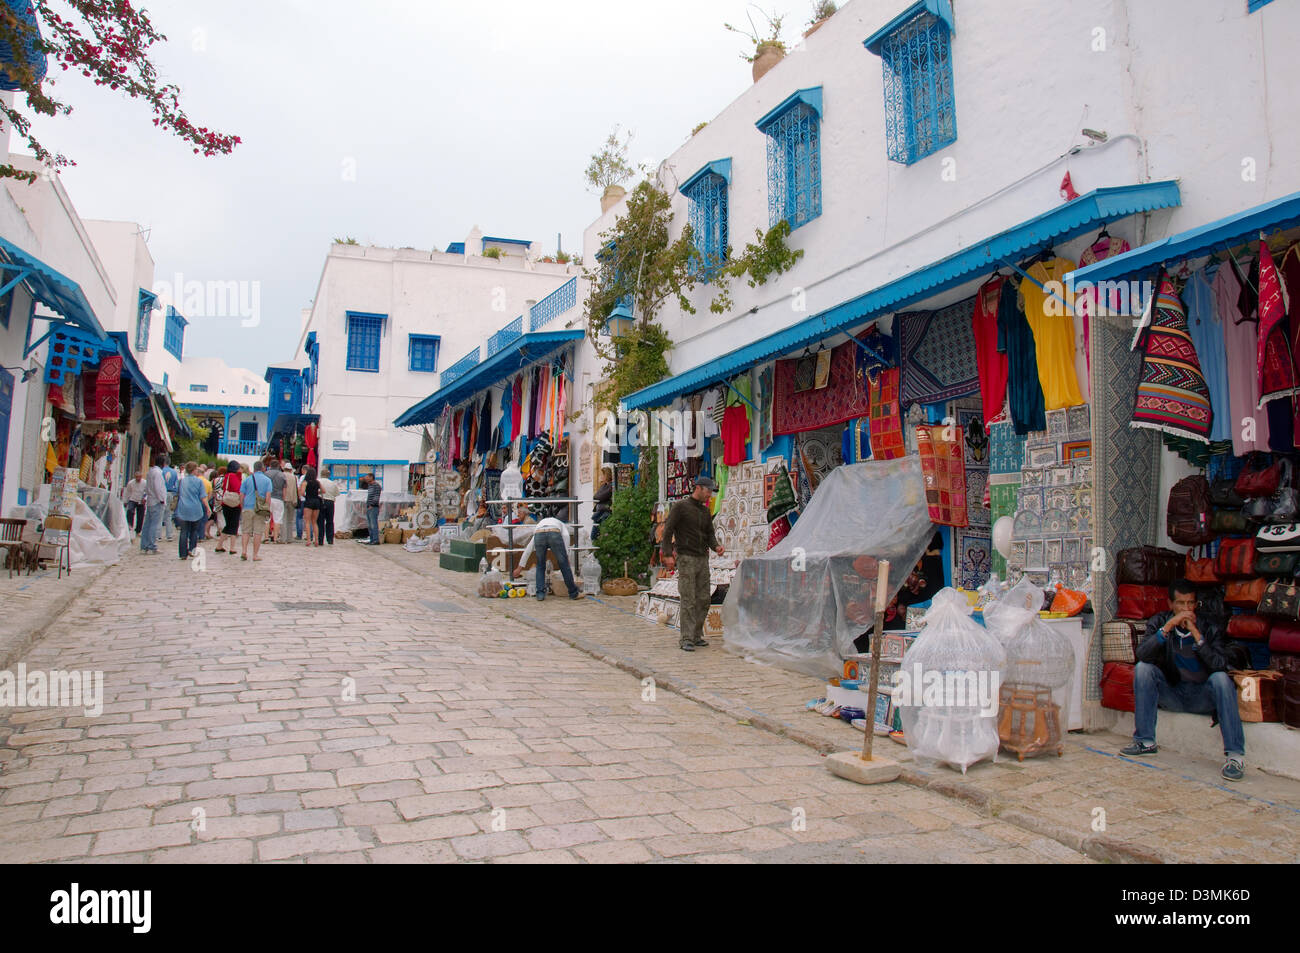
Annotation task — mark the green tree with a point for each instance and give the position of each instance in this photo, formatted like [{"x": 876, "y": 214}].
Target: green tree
[{"x": 625, "y": 535}]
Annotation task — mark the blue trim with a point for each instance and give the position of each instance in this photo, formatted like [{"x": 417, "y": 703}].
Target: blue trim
[
  {"x": 1253, "y": 5},
  {"x": 174, "y": 333},
  {"x": 220, "y": 408},
  {"x": 456, "y": 248},
  {"x": 939, "y": 8},
  {"x": 503, "y": 241},
  {"x": 507, "y": 362},
  {"x": 1060, "y": 224},
  {"x": 53, "y": 289},
  {"x": 365, "y": 463},
  {"x": 720, "y": 167},
  {"x": 1279, "y": 214},
  {"x": 811, "y": 97}
]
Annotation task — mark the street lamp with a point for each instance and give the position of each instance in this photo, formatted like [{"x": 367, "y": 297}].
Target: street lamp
[{"x": 619, "y": 322}]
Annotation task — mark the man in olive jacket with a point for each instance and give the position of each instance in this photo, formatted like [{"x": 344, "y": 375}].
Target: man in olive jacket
[
  {"x": 688, "y": 537},
  {"x": 1181, "y": 667}
]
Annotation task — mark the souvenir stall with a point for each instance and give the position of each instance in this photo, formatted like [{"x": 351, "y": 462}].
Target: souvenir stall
[{"x": 1197, "y": 444}]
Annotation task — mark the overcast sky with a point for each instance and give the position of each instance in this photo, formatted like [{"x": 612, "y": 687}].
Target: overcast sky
[{"x": 451, "y": 115}]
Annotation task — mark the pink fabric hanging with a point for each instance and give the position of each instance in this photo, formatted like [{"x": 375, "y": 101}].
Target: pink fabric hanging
[{"x": 1271, "y": 310}]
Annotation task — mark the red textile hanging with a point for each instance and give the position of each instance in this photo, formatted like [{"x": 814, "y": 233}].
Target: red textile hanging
[
  {"x": 796, "y": 411},
  {"x": 107, "y": 389}
]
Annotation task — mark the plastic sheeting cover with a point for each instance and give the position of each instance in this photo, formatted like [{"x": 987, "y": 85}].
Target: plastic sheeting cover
[
  {"x": 94, "y": 541},
  {"x": 801, "y": 604}
]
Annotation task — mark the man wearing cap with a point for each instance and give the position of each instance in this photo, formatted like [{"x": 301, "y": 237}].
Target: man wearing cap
[
  {"x": 289, "y": 501},
  {"x": 688, "y": 537}
]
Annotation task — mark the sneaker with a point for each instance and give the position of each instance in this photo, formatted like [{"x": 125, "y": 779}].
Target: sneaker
[
  {"x": 701, "y": 642},
  {"x": 1139, "y": 748},
  {"x": 687, "y": 647},
  {"x": 1233, "y": 770},
  {"x": 580, "y": 595}
]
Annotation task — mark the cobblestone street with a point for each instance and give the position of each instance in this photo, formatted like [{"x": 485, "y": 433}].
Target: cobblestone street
[{"x": 230, "y": 733}]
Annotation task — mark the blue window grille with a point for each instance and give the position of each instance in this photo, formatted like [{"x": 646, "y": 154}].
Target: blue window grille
[
  {"x": 147, "y": 299},
  {"x": 174, "y": 333},
  {"x": 248, "y": 430},
  {"x": 312, "y": 373},
  {"x": 920, "y": 114},
  {"x": 554, "y": 304},
  {"x": 424, "y": 352},
  {"x": 794, "y": 165},
  {"x": 502, "y": 338},
  {"x": 707, "y": 197},
  {"x": 363, "y": 341},
  {"x": 199, "y": 388}
]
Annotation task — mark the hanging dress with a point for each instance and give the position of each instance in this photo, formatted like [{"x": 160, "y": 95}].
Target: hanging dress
[
  {"x": 1051, "y": 318},
  {"x": 1016, "y": 341},
  {"x": 1207, "y": 335},
  {"x": 991, "y": 364},
  {"x": 1250, "y": 430}
]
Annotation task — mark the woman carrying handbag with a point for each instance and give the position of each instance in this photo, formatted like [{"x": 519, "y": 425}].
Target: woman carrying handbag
[{"x": 232, "y": 502}]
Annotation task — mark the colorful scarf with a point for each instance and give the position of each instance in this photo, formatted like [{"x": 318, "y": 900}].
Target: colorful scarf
[
  {"x": 886, "y": 426},
  {"x": 1172, "y": 395},
  {"x": 943, "y": 465}
]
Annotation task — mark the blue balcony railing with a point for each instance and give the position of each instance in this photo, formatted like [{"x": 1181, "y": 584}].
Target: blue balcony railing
[
  {"x": 240, "y": 448},
  {"x": 511, "y": 332},
  {"x": 553, "y": 305},
  {"x": 458, "y": 369}
]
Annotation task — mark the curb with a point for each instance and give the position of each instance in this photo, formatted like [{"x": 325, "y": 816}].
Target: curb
[
  {"x": 1097, "y": 847},
  {"x": 13, "y": 648}
]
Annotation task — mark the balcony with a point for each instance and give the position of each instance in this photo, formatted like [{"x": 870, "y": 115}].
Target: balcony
[
  {"x": 240, "y": 448},
  {"x": 510, "y": 332},
  {"x": 466, "y": 363},
  {"x": 553, "y": 305}
]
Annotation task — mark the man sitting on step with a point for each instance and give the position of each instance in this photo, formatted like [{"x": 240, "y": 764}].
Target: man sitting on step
[{"x": 1181, "y": 667}]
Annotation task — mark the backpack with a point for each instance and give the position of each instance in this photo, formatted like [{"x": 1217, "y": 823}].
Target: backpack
[{"x": 1187, "y": 519}]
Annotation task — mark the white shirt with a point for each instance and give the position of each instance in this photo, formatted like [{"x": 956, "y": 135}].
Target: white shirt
[
  {"x": 135, "y": 491},
  {"x": 329, "y": 490},
  {"x": 548, "y": 525}
]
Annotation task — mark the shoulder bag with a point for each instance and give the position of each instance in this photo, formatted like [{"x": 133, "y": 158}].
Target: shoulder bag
[{"x": 230, "y": 497}]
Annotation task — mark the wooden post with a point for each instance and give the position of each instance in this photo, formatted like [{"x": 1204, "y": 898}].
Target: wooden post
[{"x": 882, "y": 593}]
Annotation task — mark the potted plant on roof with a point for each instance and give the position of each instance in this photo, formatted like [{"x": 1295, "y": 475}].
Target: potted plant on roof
[
  {"x": 609, "y": 169},
  {"x": 768, "y": 49},
  {"x": 823, "y": 10}
]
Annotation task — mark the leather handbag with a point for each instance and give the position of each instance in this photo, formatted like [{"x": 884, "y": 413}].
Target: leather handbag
[
  {"x": 1201, "y": 571},
  {"x": 1281, "y": 600},
  {"x": 1255, "y": 481},
  {"x": 1276, "y": 564},
  {"x": 1236, "y": 558},
  {"x": 1117, "y": 686},
  {"x": 1284, "y": 637},
  {"x": 1247, "y": 593},
  {"x": 1188, "y": 511},
  {"x": 1291, "y": 700},
  {"x": 1120, "y": 639},
  {"x": 1247, "y": 628},
  {"x": 1223, "y": 493},
  {"x": 1209, "y": 603},
  {"x": 1284, "y": 663},
  {"x": 1149, "y": 565},
  {"x": 1280, "y": 537},
  {"x": 1259, "y": 695},
  {"x": 1229, "y": 521},
  {"x": 1141, "y": 602}
]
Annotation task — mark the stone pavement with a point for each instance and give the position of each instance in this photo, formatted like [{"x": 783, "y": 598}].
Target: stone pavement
[
  {"x": 1169, "y": 808},
  {"x": 29, "y": 603},
  {"x": 328, "y": 705}
]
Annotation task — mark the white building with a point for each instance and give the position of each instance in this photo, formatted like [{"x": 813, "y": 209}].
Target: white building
[
  {"x": 231, "y": 402},
  {"x": 387, "y": 323}
]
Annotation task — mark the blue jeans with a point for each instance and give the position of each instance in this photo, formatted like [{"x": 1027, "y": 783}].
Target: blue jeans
[
  {"x": 190, "y": 532},
  {"x": 171, "y": 515},
  {"x": 153, "y": 518},
  {"x": 372, "y": 520},
  {"x": 297, "y": 520},
  {"x": 554, "y": 543},
  {"x": 1216, "y": 694}
]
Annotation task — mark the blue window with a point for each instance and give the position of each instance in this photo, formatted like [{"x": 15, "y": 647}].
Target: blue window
[
  {"x": 363, "y": 341},
  {"x": 147, "y": 298},
  {"x": 347, "y": 475},
  {"x": 200, "y": 388},
  {"x": 424, "y": 352},
  {"x": 248, "y": 430},
  {"x": 174, "y": 334},
  {"x": 706, "y": 193},
  {"x": 794, "y": 164},
  {"x": 916, "y": 53}
]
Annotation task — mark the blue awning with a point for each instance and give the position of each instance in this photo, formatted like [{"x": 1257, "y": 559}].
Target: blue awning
[
  {"x": 1277, "y": 215},
  {"x": 164, "y": 398},
  {"x": 57, "y": 292},
  {"x": 518, "y": 354},
  {"x": 1058, "y": 225}
]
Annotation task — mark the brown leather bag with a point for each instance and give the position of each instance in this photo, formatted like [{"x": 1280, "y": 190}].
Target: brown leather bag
[
  {"x": 1201, "y": 571},
  {"x": 1236, "y": 558},
  {"x": 1249, "y": 628},
  {"x": 1281, "y": 598},
  {"x": 1148, "y": 566},
  {"x": 1244, "y": 593},
  {"x": 1259, "y": 482}
]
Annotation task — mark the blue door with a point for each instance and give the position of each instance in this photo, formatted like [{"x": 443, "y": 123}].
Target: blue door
[{"x": 6, "y": 410}]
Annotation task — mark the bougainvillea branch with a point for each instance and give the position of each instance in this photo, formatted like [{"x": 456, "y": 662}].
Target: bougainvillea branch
[{"x": 106, "y": 41}]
